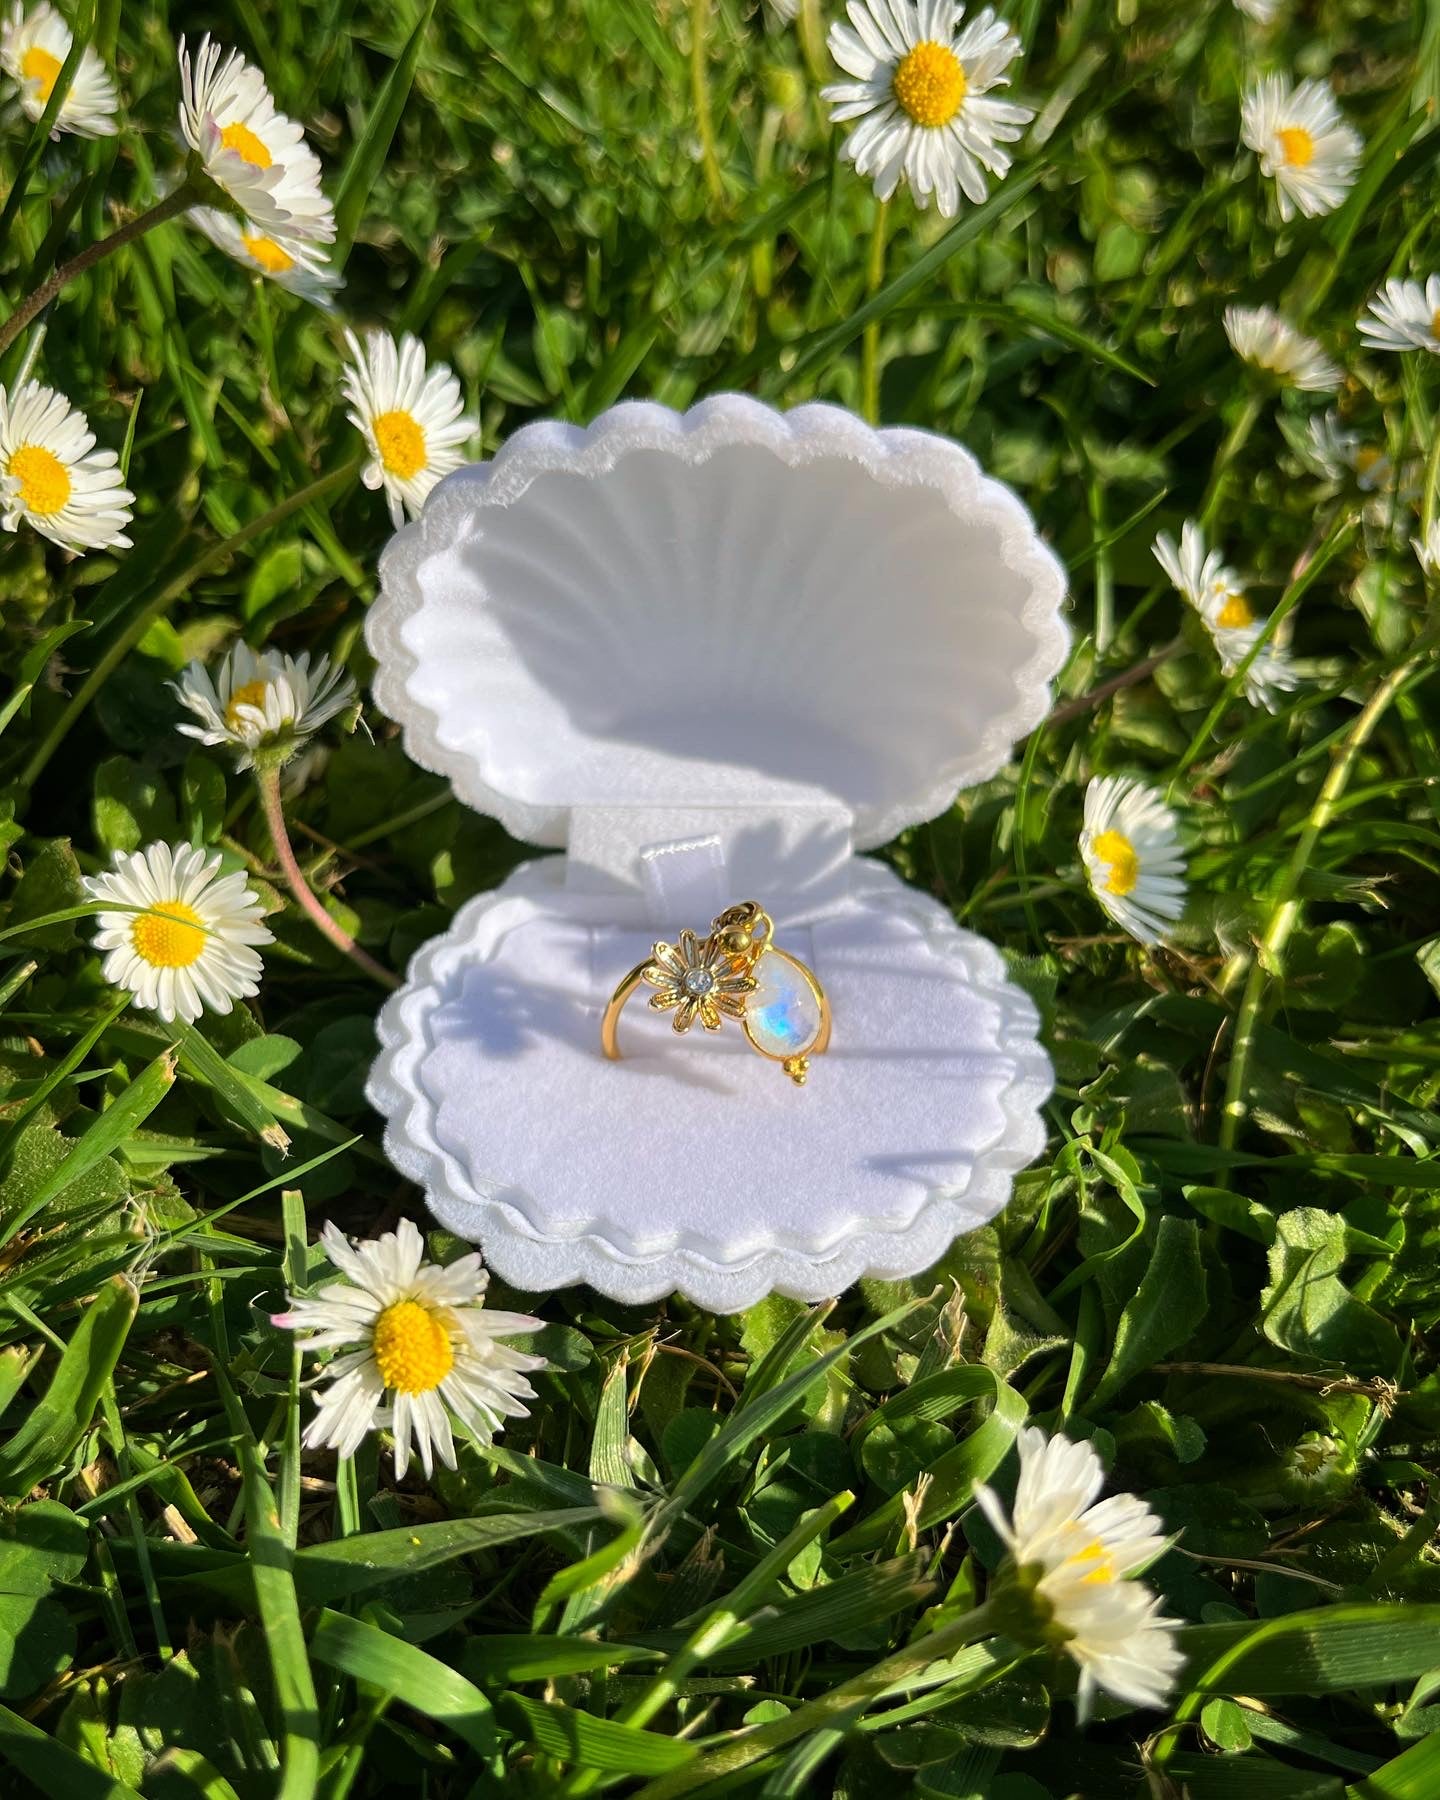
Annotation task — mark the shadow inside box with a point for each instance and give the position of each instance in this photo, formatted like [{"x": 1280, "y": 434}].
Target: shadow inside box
[{"x": 502, "y": 1017}]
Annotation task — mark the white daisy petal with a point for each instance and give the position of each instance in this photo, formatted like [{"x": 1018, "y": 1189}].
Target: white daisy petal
[
  {"x": 1260, "y": 337},
  {"x": 33, "y": 49},
  {"x": 1131, "y": 851},
  {"x": 249, "y": 148},
  {"x": 1077, "y": 1555},
  {"x": 422, "y": 1349},
  {"x": 1303, "y": 144},
  {"x": 262, "y": 702},
  {"x": 1218, "y": 595},
  {"x": 52, "y": 477},
  {"x": 290, "y": 262},
  {"x": 181, "y": 938},
  {"x": 921, "y": 77},
  {"x": 1404, "y": 315},
  {"x": 412, "y": 419}
]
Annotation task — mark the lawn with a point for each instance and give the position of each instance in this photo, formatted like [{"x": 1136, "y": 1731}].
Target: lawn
[{"x": 738, "y": 1553}]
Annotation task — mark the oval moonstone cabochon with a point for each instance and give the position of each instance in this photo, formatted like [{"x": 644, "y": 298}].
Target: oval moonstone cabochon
[{"x": 782, "y": 1014}]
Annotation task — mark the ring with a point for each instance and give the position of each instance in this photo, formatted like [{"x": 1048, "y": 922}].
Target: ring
[{"x": 737, "y": 972}]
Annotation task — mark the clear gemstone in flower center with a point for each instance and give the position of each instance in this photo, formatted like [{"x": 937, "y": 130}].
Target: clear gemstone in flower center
[{"x": 697, "y": 983}]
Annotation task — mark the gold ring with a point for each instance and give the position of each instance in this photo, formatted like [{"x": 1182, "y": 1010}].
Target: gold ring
[{"x": 737, "y": 972}]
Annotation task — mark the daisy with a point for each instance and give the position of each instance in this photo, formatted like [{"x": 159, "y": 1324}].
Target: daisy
[
  {"x": 1404, "y": 315},
  {"x": 1260, "y": 337},
  {"x": 1217, "y": 594},
  {"x": 920, "y": 87},
  {"x": 1427, "y": 551},
  {"x": 696, "y": 979},
  {"x": 288, "y": 261},
  {"x": 33, "y": 49},
  {"x": 52, "y": 476},
  {"x": 1333, "y": 450},
  {"x": 251, "y": 150},
  {"x": 182, "y": 935},
  {"x": 419, "y": 1346},
  {"x": 1303, "y": 143},
  {"x": 265, "y": 703},
  {"x": 1131, "y": 851},
  {"x": 1076, "y": 1558},
  {"x": 411, "y": 418}
]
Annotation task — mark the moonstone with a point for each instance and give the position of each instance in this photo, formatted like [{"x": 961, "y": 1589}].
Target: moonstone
[{"x": 782, "y": 1015}]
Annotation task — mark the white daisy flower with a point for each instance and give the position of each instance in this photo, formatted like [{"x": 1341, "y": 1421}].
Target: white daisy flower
[
  {"x": 1261, "y": 11},
  {"x": 920, "y": 87},
  {"x": 1404, "y": 315},
  {"x": 1427, "y": 551},
  {"x": 1333, "y": 450},
  {"x": 1260, "y": 337},
  {"x": 290, "y": 262},
  {"x": 419, "y": 1346},
  {"x": 53, "y": 477},
  {"x": 411, "y": 419},
  {"x": 33, "y": 49},
  {"x": 1131, "y": 850},
  {"x": 183, "y": 935},
  {"x": 1216, "y": 592},
  {"x": 1076, "y": 1557},
  {"x": 250, "y": 148},
  {"x": 262, "y": 702},
  {"x": 1303, "y": 143}
]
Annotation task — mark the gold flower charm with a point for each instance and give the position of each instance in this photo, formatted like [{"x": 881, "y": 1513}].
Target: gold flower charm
[
  {"x": 698, "y": 980},
  {"x": 738, "y": 972}
]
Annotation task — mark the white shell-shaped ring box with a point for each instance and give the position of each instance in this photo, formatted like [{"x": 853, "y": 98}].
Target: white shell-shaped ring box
[{"x": 713, "y": 657}]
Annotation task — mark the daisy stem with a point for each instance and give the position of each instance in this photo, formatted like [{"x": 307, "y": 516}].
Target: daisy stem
[
  {"x": 1229, "y": 450},
  {"x": 181, "y": 200},
  {"x": 870, "y": 341},
  {"x": 268, "y": 781},
  {"x": 700, "y": 96},
  {"x": 1285, "y": 912}
]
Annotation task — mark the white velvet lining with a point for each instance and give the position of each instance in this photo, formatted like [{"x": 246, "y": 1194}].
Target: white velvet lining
[{"x": 693, "y": 1164}]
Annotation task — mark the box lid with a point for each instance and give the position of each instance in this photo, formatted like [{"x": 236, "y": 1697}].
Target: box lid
[{"x": 729, "y": 607}]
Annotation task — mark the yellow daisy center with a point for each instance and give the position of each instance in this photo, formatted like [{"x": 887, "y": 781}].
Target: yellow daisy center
[
  {"x": 1096, "y": 1562},
  {"x": 265, "y": 251},
  {"x": 44, "y": 479},
  {"x": 412, "y": 1348},
  {"x": 1114, "y": 848},
  {"x": 250, "y": 693},
  {"x": 401, "y": 442},
  {"x": 1435, "y": 323},
  {"x": 929, "y": 84},
  {"x": 1366, "y": 459},
  {"x": 39, "y": 65},
  {"x": 243, "y": 141},
  {"x": 170, "y": 936},
  {"x": 1296, "y": 146},
  {"x": 1235, "y": 614}
]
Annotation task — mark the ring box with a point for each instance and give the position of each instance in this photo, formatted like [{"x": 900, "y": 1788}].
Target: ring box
[{"x": 711, "y": 657}]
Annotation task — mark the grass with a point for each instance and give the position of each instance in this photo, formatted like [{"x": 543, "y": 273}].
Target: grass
[{"x": 1223, "y": 1270}]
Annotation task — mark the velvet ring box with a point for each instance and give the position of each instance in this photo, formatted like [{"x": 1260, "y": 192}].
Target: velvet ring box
[{"x": 710, "y": 657}]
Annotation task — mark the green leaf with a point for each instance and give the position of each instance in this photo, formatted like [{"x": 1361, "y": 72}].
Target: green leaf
[
  {"x": 586, "y": 1742},
  {"x": 366, "y": 160},
  {"x": 411, "y": 1675},
  {"x": 51, "y": 1767},
  {"x": 521, "y": 1657},
  {"x": 1413, "y": 1775},
  {"x": 1327, "y": 1650},
  {"x": 132, "y": 805},
  {"x": 1166, "y": 1308},
  {"x": 1309, "y": 1310},
  {"x": 115, "y": 1125},
  {"x": 50, "y": 884},
  {"x": 57, "y": 1422}
]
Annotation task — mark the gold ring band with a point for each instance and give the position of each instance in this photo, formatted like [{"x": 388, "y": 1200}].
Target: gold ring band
[{"x": 736, "y": 972}]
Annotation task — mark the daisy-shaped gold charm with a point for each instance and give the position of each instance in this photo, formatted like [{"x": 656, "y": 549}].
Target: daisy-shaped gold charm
[{"x": 699, "y": 978}]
